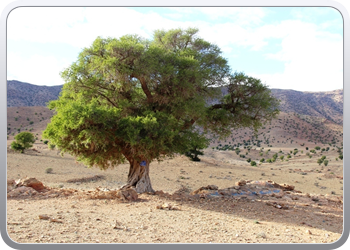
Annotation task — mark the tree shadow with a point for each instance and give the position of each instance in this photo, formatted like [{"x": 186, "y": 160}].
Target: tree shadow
[{"x": 325, "y": 213}]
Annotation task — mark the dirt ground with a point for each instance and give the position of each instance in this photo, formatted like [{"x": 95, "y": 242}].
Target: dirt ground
[{"x": 311, "y": 213}]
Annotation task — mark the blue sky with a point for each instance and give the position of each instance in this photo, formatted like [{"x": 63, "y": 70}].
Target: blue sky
[{"x": 298, "y": 48}]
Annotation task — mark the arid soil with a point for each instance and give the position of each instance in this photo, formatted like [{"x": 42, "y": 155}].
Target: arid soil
[{"x": 68, "y": 212}]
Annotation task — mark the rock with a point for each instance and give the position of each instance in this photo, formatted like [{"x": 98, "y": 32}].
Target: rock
[
  {"x": 11, "y": 184},
  {"x": 44, "y": 217},
  {"x": 22, "y": 191},
  {"x": 209, "y": 187},
  {"x": 31, "y": 182},
  {"x": 308, "y": 231},
  {"x": 261, "y": 235},
  {"x": 168, "y": 206},
  {"x": 241, "y": 183},
  {"x": 128, "y": 194},
  {"x": 55, "y": 220}
]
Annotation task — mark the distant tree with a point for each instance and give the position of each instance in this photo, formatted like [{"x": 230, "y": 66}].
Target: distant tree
[
  {"x": 194, "y": 151},
  {"x": 253, "y": 163},
  {"x": 325, "y": 162},
  {"x": 137, "y": 100},
  {"x": 23, "y": 140},
  {"x": 319, "y": 161}
]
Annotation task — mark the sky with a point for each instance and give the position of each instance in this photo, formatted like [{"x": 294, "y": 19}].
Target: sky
[{"x": 298, "y": 48}]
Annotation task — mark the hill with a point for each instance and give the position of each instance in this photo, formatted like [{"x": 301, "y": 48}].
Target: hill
[
  {"x": 21, "y": 94},
  {"x": 328, "y": 105}
]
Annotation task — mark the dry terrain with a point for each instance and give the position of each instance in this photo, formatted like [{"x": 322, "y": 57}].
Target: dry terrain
[{"x": 310, "y": 213}]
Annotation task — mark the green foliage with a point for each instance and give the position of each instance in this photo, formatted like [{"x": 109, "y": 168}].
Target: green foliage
[
  {"x": 48, "y": 170},
  {"x": 51, "y": 146},
  {"x": 136, "y": 99},
  {"x": 23, "y": 140},
  {"x": 17, "y": 146},
  {"x": 325, "y": 162},
  {"x": 252, "y": 163},
  {"x": 45, "y": 141},
  {"x": 195, "y": 150},
  {"x": 317, "y": 147},
  {"x": 262, "y": 160},
  {"x": 340, "y": 157}
]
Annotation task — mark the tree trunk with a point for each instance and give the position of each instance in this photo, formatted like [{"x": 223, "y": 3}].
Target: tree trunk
[{"x": 139, "y": 177}]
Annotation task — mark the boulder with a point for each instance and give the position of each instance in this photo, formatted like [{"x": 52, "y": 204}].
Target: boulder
[{"x": 31, "y": 182}]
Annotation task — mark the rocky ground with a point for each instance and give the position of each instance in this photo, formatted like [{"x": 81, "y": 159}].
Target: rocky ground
[{"x": 220, "y": 200}]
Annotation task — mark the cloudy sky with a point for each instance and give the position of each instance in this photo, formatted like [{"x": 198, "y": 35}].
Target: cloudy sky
[{"x": 298, "y": 48}]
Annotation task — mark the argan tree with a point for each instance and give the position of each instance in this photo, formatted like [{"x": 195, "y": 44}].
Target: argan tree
[{"x": 138, "y": 100}]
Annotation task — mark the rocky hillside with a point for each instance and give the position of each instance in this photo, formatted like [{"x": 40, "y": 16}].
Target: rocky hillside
[
  {"x": 326, "y": 105},
  {"x": 21, "y": 94}
]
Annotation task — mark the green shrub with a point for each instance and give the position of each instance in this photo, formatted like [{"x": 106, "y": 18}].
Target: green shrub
[
  {"x": 23, "y": 141},
  {"x": 48, "y": 170},
  {"x": 253, "y": 163}
]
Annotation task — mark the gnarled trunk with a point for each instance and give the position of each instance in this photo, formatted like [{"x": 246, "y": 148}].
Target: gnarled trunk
[{"x": 139, "y": 177}]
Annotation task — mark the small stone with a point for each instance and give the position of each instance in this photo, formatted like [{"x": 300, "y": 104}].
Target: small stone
[
  {"x": 55, "y": 220},
  {"x": 261, "y": 235},
  {"x": 308, "y": 231},
  {"x": 44, "y": 217},
  {"x": 241, "y": 183}
]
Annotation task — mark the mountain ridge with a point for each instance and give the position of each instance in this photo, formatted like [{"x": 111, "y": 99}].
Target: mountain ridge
[{"x": 324, "y": 104}]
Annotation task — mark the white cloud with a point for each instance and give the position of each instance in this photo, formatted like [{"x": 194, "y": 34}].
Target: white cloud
[
  {"x": 38, "y": 69},
  {"x": 313, "y": 59},
  {"x": 308, "y": 52}
]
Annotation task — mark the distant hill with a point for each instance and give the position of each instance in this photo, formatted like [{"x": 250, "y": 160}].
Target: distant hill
[
  {"x": 327, "y": 105},
  {"x": 21, "y": 94}
]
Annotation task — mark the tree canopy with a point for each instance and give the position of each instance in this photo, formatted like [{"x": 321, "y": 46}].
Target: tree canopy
[
  {"x": 23, "y": 140},
  {"x": 138, "y": 100}
]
